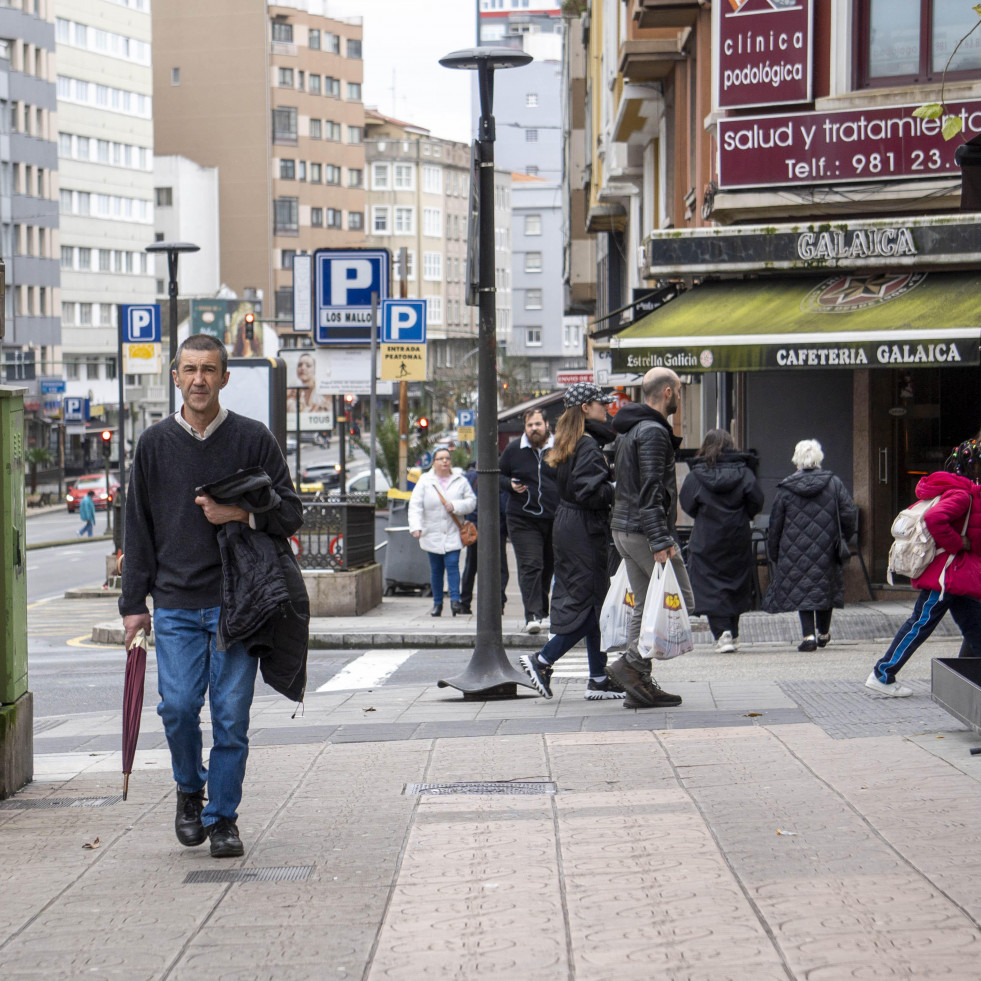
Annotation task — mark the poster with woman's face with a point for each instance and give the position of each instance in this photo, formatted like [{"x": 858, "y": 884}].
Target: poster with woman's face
[{"x": 315, "y": 408}]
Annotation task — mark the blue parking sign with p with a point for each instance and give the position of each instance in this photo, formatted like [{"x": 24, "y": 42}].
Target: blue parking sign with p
[
  {"x": 344, "y": 281},
  {"x": 140, "y": 323},
  {"x": 404, "y": 322},
  {"x": 76, "y": 409}
]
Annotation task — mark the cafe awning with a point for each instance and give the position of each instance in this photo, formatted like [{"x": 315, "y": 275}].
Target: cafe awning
[{"x": 890, "y": 319}]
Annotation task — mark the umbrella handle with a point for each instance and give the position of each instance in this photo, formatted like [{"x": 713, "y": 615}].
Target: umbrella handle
[{"x": 139, "y": 640}]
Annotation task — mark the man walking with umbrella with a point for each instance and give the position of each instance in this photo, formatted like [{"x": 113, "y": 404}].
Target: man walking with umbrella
[{"x": 172, "y": 555}]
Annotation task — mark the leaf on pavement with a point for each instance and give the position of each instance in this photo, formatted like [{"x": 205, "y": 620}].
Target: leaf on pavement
[{"x": 91, "y": 844}]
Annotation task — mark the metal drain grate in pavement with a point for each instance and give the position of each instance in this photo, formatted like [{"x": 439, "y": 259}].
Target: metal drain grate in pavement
[
  {"x": 284, "y": 873},
  {"x": 23, "y": 805},
  {"x": 487, "y": 787}
]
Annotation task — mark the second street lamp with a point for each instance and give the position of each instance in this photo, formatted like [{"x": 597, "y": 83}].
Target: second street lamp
[
  {"x": 489, "y": 674},
  {"x": 173, "y": 250}
]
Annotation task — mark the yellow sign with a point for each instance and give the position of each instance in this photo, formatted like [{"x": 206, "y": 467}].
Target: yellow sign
[
  {"x": 142, "y": 359},
  {"x": 466, "y": 433},
  {"x": 403, "y": 362}
]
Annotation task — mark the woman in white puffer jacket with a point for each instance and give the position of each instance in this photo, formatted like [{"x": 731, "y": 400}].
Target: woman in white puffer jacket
[{"x": 431, "y": 521}]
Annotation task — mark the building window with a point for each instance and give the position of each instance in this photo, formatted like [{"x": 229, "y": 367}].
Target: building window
[
  {"x": 403, "y": 177},
  {"x": 313, "y": 83},
  {"x": 332, "y": 86},
  {"x": 380, "y": 177},
  {"x": 287, "y": 170},
  {"x": 313, "y": 39},
  {"x": 67, "y": 257},
  {"x": 380, "y": 220},
  {"x": 354, "y": 134},
  {"x": 432, "y": 222},
  {"x": 911, "y": 42},
  {"x": 163, "y": 197},
  {"x": 533, "y": 224},
  {"x": 434, "y": 309},
  {"x": 432, "y": 179},
  {"x": 531, "y": 136},
  {"x": 284, "y": 304},
  {"x": 85, "y": 314},
  {"x": 534, "y": 337},
  {"x": 332, "y": 174},
  {"x": 286, "y": 258},
  {"x": 353, "y": 48},
  {"x": 317, "y": 217},
  {"x": 332, "y": 131},
  {"x": 286, "y": 216},
  {"x": 316, "y": 173},
  {"x": 533, "y": 262},
  {"x": 354, "y": 91},
  {"x": 282, "y": 32},
  {"x": 335, "y": 218},
  {"x": 105, "y": 259},
  {"x": 175, "y": 76},
  {"x": 531, "y": 100},
  {"x": 68, "y": 315},
  {"x": 432, "y": 266},
  {"x": 531, "y": 170},
  {"x": 533, "y": 299},
  {"x": 315, "y": 129},
  {"x": 284, "y": 125},
  {"x": 286, "y": 78},
  {"x": 85, "y": 259},
  {"x": 355, "y": 221},
  {"x": 355, "y": 177},
  {"x": 332, "y": 43},
  {"x": 405, "y": 221},
  {"x": 410, "y": 265},
  {"x": 301, "y": 170}
]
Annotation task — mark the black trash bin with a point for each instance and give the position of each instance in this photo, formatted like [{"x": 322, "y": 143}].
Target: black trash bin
[{"x": 406, "y": 564}]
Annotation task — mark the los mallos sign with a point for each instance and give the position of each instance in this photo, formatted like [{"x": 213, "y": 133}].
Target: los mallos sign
[{"x": 764, "y": 52}]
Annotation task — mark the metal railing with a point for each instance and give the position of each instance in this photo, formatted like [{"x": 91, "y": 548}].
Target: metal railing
[{"x": 336, "y": 535}]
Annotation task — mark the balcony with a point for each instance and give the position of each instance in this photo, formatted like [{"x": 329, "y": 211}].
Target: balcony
[
  {"x": 650, "y": 59},
  {"x": 667, "y": 13},
  {"x": 287, "y": 48}
]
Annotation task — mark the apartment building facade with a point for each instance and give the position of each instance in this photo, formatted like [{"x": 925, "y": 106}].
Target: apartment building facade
[
  {"x": 759, "y": 187},
  {"x": 280, "y": 114},
  {"x": 28, "y": 203}
]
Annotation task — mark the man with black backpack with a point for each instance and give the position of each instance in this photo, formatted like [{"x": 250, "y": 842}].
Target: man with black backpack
[{"x": 952, "y": 580}]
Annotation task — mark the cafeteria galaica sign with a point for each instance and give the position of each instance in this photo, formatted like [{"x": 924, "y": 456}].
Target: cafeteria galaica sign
[{"x": 768, "y": 356}]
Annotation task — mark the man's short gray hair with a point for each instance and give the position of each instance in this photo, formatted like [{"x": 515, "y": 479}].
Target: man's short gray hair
[
  {"x": 203, "y": 342},
  {"x": 808, "y": 454}
]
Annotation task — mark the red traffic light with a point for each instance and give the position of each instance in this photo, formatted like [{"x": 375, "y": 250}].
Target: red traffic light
[
  {"x": 423, "y": 423},
  {"x": 106, "y": 435},
  {"x": 250, "y": 318},
  {"x": 349, "y": 399}
]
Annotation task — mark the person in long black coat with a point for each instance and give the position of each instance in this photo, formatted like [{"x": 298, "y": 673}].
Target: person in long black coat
[
  {"x": 722, "y": 496},
  {"x": 580, "y": 540},
  {"x": 810, "y": 507}
]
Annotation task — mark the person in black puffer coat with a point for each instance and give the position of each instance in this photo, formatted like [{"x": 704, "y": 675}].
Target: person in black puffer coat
[
  {"x": 802, "y": 544},
  {"x": 722, "y": 496},
  {"x": 580, "y": 540}
]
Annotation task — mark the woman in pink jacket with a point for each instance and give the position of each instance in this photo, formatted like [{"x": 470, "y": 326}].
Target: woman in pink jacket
[{"x": 960, "y": 588}]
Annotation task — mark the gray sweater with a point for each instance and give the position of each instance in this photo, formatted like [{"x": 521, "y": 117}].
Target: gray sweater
[{"x": 171, "y": 549}]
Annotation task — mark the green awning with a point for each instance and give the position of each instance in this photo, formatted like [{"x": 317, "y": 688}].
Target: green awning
[{"x": 882, "y": 320}]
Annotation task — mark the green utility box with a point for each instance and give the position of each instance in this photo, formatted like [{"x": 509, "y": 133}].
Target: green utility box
[{"x": 16, "y": 702}]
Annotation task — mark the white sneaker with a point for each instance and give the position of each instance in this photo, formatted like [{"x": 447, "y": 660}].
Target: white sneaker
[
  {"x": 725, "y": 644},
  {"x": 895, "y": 690},
  {"x": 533, "y": 626}
]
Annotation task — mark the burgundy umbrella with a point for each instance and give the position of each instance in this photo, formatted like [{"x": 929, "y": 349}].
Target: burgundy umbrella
[{"x": 132, "y": 702}]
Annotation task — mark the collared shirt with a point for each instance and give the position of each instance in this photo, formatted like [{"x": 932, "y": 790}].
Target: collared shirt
[
  {"x": 212, "y": 426},
  {"x": 526, "y": 443}
]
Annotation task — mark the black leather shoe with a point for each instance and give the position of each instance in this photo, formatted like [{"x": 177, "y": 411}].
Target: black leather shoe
[
  {"x": 225, "y": 842},
  {"x": 437, "y": 610},
  {"x": 466, "y": 608},
  {"x": 190, "y": 830},
  {"x": 456, "y": 607}
]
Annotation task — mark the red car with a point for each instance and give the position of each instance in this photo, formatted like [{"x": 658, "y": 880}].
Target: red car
[{"x": 95, "y": 482}]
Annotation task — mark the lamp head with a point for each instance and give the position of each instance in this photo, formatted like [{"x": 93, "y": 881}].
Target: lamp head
[
  {"x": 493, "y": 58},
  {"x": 172, "y": 247}
]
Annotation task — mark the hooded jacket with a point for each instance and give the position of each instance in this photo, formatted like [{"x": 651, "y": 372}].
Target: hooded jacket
[
  {"x": 802, "y": 542},
  {"x": 647, "y": 488},
  {"x": 427, "y": 514},
  {"x": 522, "y": 462},
  {"x": 722, "y": 500},
  {"x": 945, "y": 521}
]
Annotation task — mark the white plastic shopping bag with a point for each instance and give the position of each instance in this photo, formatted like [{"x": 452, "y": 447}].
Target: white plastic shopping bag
[
  {"x": 618, "y": 608},
  {"x": 665, "y": 630}
]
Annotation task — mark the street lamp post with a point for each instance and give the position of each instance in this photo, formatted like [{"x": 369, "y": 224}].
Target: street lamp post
[
  {"x": 173, "y": 250},
  {"x": 489, "y": 674}
]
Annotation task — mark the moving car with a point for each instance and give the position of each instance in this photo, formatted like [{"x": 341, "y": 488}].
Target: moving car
[{"x": 97, "y": 483}]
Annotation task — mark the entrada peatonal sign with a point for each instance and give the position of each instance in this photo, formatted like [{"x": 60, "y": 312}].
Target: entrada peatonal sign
[
  {"x": 937, "y": 241},
  {"x": 877, "y": 353}
]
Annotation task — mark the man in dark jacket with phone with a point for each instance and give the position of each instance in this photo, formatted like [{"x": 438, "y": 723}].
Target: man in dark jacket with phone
[
  {"x": 643, "y": 521},
  {"x": 172, "y": 554},
  {"x": 532, "y": 499}
]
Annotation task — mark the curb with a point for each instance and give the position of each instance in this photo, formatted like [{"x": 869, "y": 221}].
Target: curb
[{"x": 67, "y": 541}]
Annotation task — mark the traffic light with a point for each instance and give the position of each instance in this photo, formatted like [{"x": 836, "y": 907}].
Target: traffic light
[
  {"x": 422, "y": 426},
  {"x": 106, "y": 437},
  {"x": 249, "y": 326}
]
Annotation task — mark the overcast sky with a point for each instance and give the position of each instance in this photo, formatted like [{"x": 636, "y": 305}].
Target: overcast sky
[{"x": 403, "y": 42}]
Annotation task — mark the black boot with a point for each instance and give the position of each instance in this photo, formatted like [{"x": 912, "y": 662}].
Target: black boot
[
  {"x": 456, "y": 606},
  {"x": 437, "y": 610},
  {"x": 190, "y": 830}
]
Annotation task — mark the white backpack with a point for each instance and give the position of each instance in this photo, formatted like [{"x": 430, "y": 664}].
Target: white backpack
[{"x": 913, "y": 547}]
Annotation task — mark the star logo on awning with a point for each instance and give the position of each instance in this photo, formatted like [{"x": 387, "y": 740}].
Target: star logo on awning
[{"x": 842, "y": 294}]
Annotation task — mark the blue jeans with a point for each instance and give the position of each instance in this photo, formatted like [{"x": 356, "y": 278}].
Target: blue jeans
[
  {"x": 188, "y": 665},
  {"x": 927, "y": 613},
  {"x": 86, "y": 528},
  {"x": 560, "y": 643},
  {"x": 450, "y": 562}
]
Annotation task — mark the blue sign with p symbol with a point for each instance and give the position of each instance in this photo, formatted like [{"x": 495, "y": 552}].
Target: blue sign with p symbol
[
  {"x": 404, "y": 322},
  {"x": 140, "y": 323}
]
